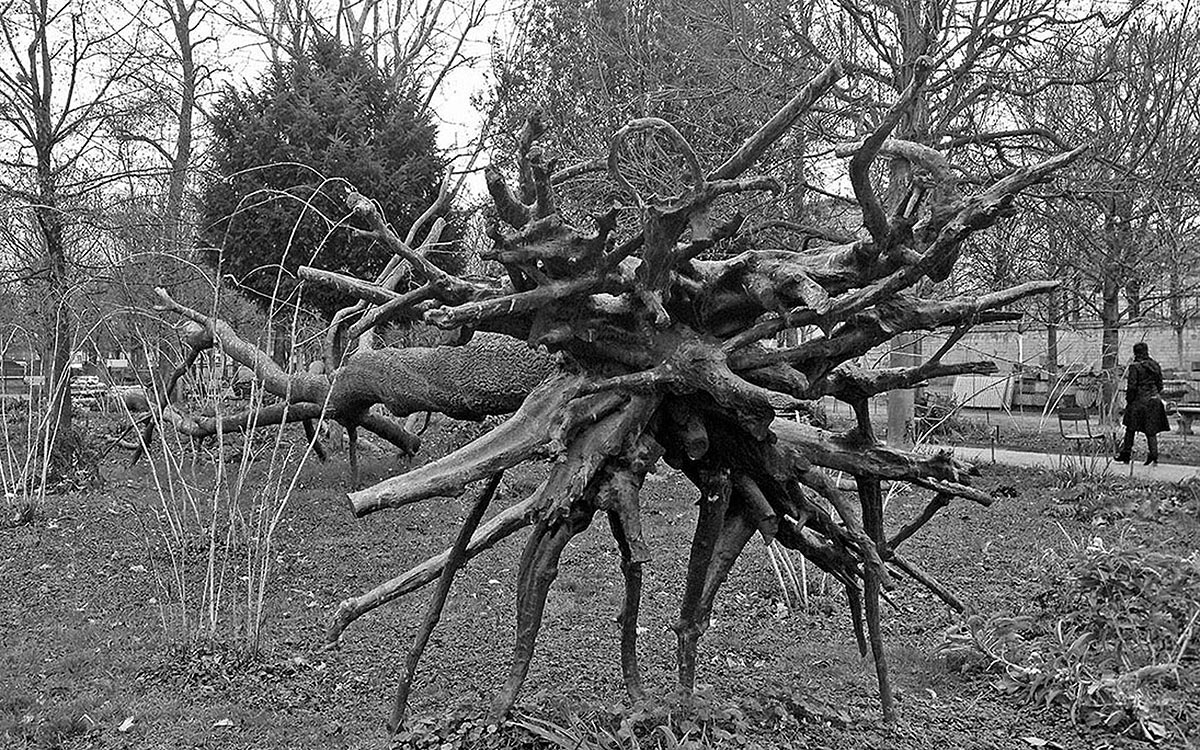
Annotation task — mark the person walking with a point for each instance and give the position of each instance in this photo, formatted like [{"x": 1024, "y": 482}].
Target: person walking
[{"x": 1144, "y": 410}]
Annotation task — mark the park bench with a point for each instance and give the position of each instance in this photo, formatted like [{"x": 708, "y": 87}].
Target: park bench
[{"x": 1075, "y": 426}]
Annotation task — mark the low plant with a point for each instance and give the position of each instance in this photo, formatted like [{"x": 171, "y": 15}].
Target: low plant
[
  {"x": 674, "y": 722},
  {"x": 36, "y": 459},
  {"x": 1187, "y": 496},
  {"x": 1102, "y": 499},
  {"x": 1116, "y": 642},
  {"x": 1075, "y": 469},
  {"x": 456, "y": 731},
  {"x": 210, "y": 529}
]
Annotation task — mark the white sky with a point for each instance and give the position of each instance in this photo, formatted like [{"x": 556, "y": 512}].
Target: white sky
[{"x": 458, "y": 121}]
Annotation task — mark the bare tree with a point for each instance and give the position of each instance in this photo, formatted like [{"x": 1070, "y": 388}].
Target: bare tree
[
  {"x": 1143, "y": 118},
  {"x": 418, "y": 43},
  {"x": 1179, "y": 233},
  {"x": 175, "y": 74},
  {"x": 174, "y": 46},
  {"x": 60, "y": 84},
  {"x": 989, "y": 58}
]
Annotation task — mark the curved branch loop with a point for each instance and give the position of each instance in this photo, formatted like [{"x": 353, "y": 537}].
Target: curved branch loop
[{"x": 689, "y": 154}]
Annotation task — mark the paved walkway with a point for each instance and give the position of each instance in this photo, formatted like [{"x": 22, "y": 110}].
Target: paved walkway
[{"x": 1160, "y": 473}]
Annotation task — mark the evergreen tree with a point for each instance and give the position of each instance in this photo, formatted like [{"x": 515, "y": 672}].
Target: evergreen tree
[{"x": 287, "y": 151}]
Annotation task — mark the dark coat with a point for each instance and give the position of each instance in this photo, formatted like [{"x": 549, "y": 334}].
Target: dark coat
[{"x": 1144, "y": 411}]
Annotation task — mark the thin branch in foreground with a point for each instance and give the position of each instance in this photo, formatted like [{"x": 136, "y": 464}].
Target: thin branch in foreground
[{"x": 454, "y": 561}]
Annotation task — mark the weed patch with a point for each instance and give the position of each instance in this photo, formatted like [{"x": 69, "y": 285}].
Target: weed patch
[{"x": 1116, "y": 643}]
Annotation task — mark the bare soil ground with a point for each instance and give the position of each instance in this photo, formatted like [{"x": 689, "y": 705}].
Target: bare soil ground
[{"x": 82, "y": 649}]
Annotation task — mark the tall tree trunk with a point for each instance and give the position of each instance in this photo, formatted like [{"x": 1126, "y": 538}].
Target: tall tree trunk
[
  {"x": 906, "y": 347},
  {"x": 1117, "y": 241},
  {"x": 1110, "y": 339},
  {"x": 1178, "y": 317},
  {"x": 906, "y": 352},
  {"x": 1053, "y": 319},
  {"x": 50, "y": 224},
  {"x": 181, "y": 20},
  {"x": 58, "y": 314}
]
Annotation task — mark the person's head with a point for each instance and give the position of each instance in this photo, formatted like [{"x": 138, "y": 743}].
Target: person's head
[{"x": 1140, "y": 350}]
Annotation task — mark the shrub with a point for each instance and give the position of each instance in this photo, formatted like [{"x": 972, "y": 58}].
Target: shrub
[
  {"x": 1116, "y": 642},
  {"x": 287, "y": 150}
]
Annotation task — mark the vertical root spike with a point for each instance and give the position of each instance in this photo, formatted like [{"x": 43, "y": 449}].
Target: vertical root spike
[
  {"x": 872, "y": 510},
  {"x": 352, "y": 449},
  {"x": 734, "y": 534},
  {"x": 458, "y": 556},
  {"x": 816, "y": 480},
  {"x": 310, "y": 432},
  {"x": 527, "y": 563},
  {"x": 854, "y": 600},
  {"x": 875, "y": 635},
  {"x": 627, "y": 619},
  {"x": 688, "y": 628},
  {"x": 731, "y": 540},
  {"x": 539, "y": 568},
  {"x": 531, "y": 569},
  {"x": 143, "y": 442}
]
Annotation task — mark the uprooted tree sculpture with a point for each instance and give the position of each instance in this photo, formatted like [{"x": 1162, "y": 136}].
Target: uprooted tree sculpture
[{"x": 657, "y": 354}]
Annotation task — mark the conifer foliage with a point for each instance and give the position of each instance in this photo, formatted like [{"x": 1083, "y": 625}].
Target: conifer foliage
[{"x": 288, "y": 150}]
